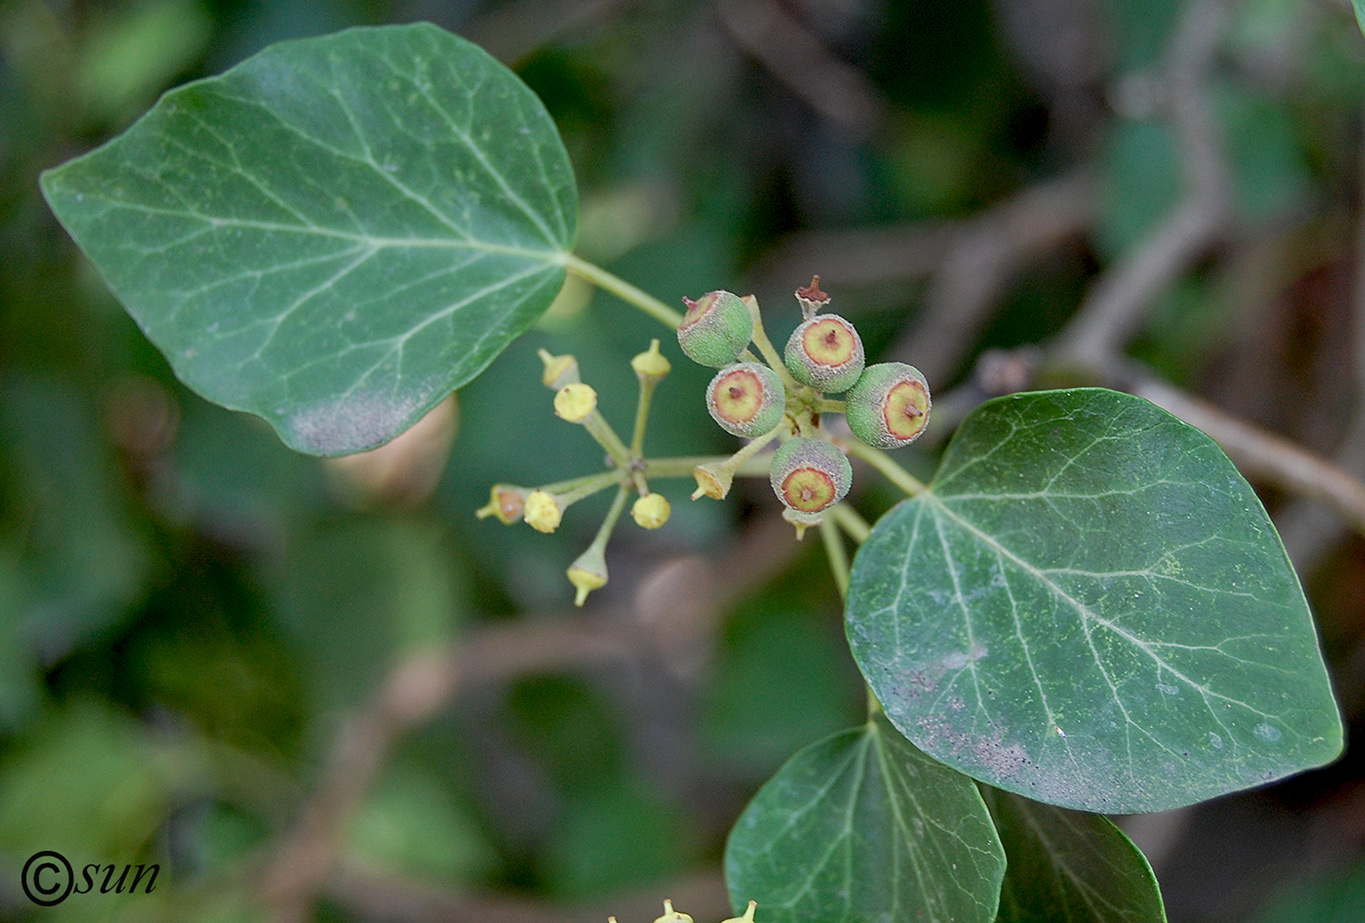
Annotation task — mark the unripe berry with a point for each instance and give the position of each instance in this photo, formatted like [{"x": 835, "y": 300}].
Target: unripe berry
[
  {"x": 746, "y": 399},
  {"x": 507, "y": 502},
  {"x": 575, "y": 402},
  {"x": 889, "y": 406},
  {"x": 716, "y": 329},
  {"x": 650, "y": 511},
  {"x": 810, "y": 475},
  {"x": 826, "y": 353}
]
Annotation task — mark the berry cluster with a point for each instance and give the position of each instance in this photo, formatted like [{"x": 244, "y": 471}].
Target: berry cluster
[{"x": 886, "y": 404}]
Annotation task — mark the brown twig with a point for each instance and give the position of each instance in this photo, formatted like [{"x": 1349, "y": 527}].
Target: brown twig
[
  {"x": 840, "y": 92},
  {"x": 1117, "y": 304}
]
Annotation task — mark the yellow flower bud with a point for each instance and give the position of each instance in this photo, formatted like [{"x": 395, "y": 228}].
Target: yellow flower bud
[
  {"x": 543, "y": 511},
  {"x": 672, "y": 916},
  {"x": 753, "y": 905},
  {"x": 588, "y": 573},
  {"x": 507, "y": 502},
  {"x": 713, "y": 481},
  {"x": 559, "y": 370},
  {"x": 651, "y": 364},
  {"x": 650, "y": 511},
  {"x": 575, "y": 402}
]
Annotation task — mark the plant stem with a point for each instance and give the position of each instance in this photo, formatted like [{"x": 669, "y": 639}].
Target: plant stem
[
  {"x": 590, "y": 486},
  {"x": 883, "y": 463},
  {"x": 598, "y": 427},
  {"x": 604, "y": 533},
  {"x": 837, "y": 554},
  {"x": 825, "y": 405},
  {"x": 768, "y": 351},
  {"x": 854, "y": 525},
  {"x": 623, "y": 290},
  {"x": 597, "y": 481},
  {"x": 682, "y": 466},
  {"x": 637, "y": 438}
]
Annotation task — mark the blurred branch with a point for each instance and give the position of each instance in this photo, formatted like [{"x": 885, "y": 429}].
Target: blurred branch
[
  {"x": 514, "y": 31},
  {"x": 668, "y": 621},
  {"x": 787, "y": 47},
  {"x": 982, "y": 259},
  {"x": 1117, "y": 304}
]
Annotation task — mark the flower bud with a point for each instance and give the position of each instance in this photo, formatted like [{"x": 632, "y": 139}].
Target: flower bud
[
  {"x": 507, "y": 502},
  {"x": 650, "y": 511},
  {"x": 810, "y": 475},
  {"x": 826, "y": 353},
  {"x": 588, "y": 573},
  {"x": 753, "y": 905},
  {"x": 575, "y": 402},
  {"x": 543, "y": 512},
  {"x": 713, "y": 480},
  {"x": 651, "y": 364},
  {"x": 716, "y": 329},
  {"x": 746, "y": 399},
  {"x": 889, "y": 406},
  {"x": 559, "y": 370},
  {"x": 672, "y": 916}
]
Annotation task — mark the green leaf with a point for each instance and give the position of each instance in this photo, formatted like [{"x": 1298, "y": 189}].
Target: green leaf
[
  {"x": 1090, "y": 607},
  {"x": 337, "y": 232},
  {"x": 1069, "y": 866},
  {"x": 1359, "y": 6},
  {"x": 862, "y": 826}
]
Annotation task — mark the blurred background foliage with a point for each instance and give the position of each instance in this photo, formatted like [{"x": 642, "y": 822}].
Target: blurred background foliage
[{"x": 326, "y": 691}]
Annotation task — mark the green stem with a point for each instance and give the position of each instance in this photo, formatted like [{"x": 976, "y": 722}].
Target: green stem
[
  {"x": 854, "y": 525},
  {"x": 637, "y": 438},
  {"x": 589, "y": 486},
  {"x": 837, "y": 554},
  {"x": 682, "y": 466},
  {"x": 768, "y": 351},
  {"x": 599, "y": 543},
  {"x": 599, "y": 480},
  {"x": 825, "y": 405},
  {"x": 883, "y": 463},
  {"x": 598, "y": 427},
  {"x": 623, "y": 290}
]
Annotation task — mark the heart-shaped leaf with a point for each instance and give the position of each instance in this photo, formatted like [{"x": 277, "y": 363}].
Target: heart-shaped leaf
[
  {"x": 1090, "y": 607},
  {"x": 1065, "y": 865},
  {"x": 337, "y": 232},
  {"x": 861, "y": 826}
]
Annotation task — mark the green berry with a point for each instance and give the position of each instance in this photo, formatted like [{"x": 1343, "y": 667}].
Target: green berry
[
  {"x": 746, "y": 399},
  {"x": 826, "y": 353},
  {"x": 889, "y": 406},
  {"x": 716, "y": 329},
  {"x": 810, "y": 475}
]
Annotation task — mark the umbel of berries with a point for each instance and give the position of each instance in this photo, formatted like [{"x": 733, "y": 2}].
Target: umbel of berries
[
  {"x": 826, "y": 353},
  {"x": 716, "y": 329},
  {"x": 746, "y": 399},
  {"x": 809, "y": 476},
  {"x": 889, "y": 406}
]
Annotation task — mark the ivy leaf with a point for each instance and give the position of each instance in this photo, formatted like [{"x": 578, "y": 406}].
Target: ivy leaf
[
  {"x": 1065, "y": 865},
  {"x": 1090, "y": 607},
  {"x": 861, "y": 826},
  {"x": 1359, "y": 6},
  {"x": 337, "y": 232}
]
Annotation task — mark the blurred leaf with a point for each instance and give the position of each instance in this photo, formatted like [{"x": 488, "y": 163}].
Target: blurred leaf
[
  {"x": 863, "y": 827},
  {"x": 783, "y": 679},
  {"x": 89, "y": 783},
  {"x": 570, "y": 729},
  {"x": 359, "y": 593},
  {"x": 337, "y": 232},
  {"x": 131, "y": 54},
  {"x": 411, "y": 824},
  {"x": 1101, "y": 617},
  {"x": 617, "y": 837},
  {"x": 1142, "y": 181},
  {"x": 1336, "y": 898},
  {"x": 1069, "y": 865},
  {"x": 1359, "y": 6},
  {"x": 1270, "y": 173},
  {"x": 79, "y": 560},
  {"x": 1141, "y": 30}
]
